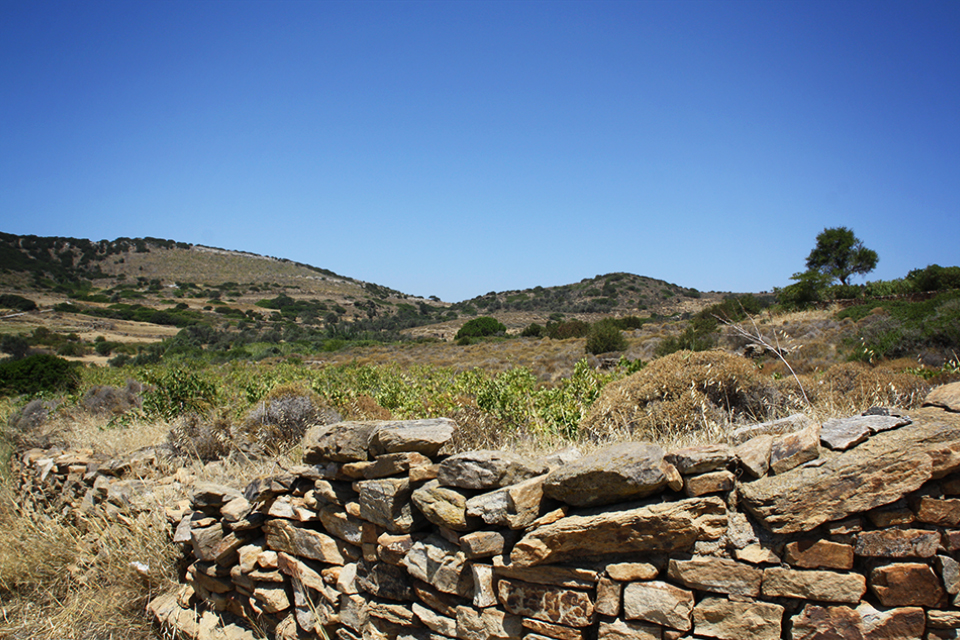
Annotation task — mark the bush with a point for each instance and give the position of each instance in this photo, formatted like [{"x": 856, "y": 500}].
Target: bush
[
  {"x": 568, "y": 329},
  {"x": 15, "y": 345},
  {"x": 935, "y": 278},
  {"x": 16, "y": 303},
  {"x": 36, "y": 374},
  {"x": 533, "y": 330},
  {"x": 808, "y": 289},
  {"x": 481, "y": 327},
  {"x": 104, "y": 399},
  {"x": 284, "y": 415},
  {"x": 176, "y": 392},
  {"x": 679, "y": 393},
  {"x": 604, "y": 337}
]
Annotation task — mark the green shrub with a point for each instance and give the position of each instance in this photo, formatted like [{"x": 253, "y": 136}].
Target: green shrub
[
  {"x": 15, "y": 345},
  {"x": 178, "y": 391},
  {"x": 36, "y": 374},
  {"x": 16, "y": 303},
  {"x": 935, "y": 278},
  {"x": 604, "y": 336},
  {"x": 481, "y": 327},
  {"x": 568, "y": 329},
  {"x": 807, "y": 289},
  {"x": 533, "y": 330}
]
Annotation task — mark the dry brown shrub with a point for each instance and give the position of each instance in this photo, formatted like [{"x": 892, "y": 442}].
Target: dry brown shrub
[
  {"x": 364, "y": 407},
  {"x": 853, "y": 387},
  {"x": 477, "y": 429},
  {"x": 681, "y": 392}
]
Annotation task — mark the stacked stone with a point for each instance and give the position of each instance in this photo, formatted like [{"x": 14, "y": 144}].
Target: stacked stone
[
  {"x": 793, "y": 529},
  {"x": 70, "y": 483}
]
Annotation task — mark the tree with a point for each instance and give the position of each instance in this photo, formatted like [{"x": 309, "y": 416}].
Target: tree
[{"x": 840, "y": 254}]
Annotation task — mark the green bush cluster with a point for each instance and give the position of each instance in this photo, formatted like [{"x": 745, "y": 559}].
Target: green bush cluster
[
  {"x": 480, "y": 327},
  {"x": 37, "y": 374},
  {"x": 604, "y": 336},
  {"x": 701, "y": 332}
]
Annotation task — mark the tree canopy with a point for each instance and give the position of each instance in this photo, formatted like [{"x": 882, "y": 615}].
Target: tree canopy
[{"x": 840, "y": 254}]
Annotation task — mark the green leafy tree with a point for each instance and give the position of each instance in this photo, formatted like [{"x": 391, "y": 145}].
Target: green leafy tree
[
  {"x": 604, "y": 336},
  {"x": 840, "y": 254},
  {"x": 480, "y": 327}
]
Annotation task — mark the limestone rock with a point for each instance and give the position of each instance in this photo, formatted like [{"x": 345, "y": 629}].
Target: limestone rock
[
  {"x": 391, "y": 464},
  {"x": 444, "y": 506},
  {"x": 826, "y": 586},
  {"x": 486, "y": 469},
  {"x": 902, "y": 622},
  {"x": 440, "y": 564},
  {"x": 946, "y": 396},
  {"x": 208, "y": 494},
  {"x": 340, "y": 524},
  {"x": 719, "y": 575},
  {"x": 778, "y": 427},
  {"x": 906, "y": 584},
  {"x": 628, "y": 630},
  {"x": 644, "y": 529},
  {"x": 619, "y": 473},
  {"x": 548, "y": 603},
  {"x": 550, "y": 630},
  {"x": 339, "y": 442},
  {"x": 608, "y": 597},
  {"x": 842, "y": 433},
  {"x": 434, "y": 621},
  {"x": 898, "y": 543},
  {"x": 754, "y": 455},
  {"x": 701, "y": 459},
  {"x": 632, "y": 571},
  {"x": 944, "y": 513},
  {"x": 721, "y": 618},
  {"x": 487, "y": 624},
  {"x": 819, "y": 554},
  {"x": 515, "y": 506},
  {"x": 792, "y": 450},
  {"x": 706, "y": 483},
  {"x": 817, "y": 622},
  {"x": 660, "y": 603},
  {"x": 386, "y": 503},
  {"x": 426, "y": 437},
  {"x": 483, "y": 544},
  {"x": 574, "y": 577},
  {"x": 286, "y": 536},
  {"x": 879, "y": 471}
]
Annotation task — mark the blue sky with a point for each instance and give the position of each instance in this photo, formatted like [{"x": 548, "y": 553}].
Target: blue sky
[{"x": 456, "y": 148}]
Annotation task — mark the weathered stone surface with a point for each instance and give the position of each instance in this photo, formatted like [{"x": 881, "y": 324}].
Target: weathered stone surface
[
  {"x": 487, "y": 624},
  {"x": 819, "y": 554},
  {"x": 286, "y": 536},
  {"x": 944, "y": 513},
  {"x": 482, "y": 544},
  {"x": 879, "y": 471},
  {"x": 338, "y": 523},
  {"x": 721, "y": 618},
  {"x": 206, "y": 541},
  {"x": 550, "y": 630},
  {"x": 719, "y": 575},
  {"x": 393, "y": 548},
  {"x": 484, "y": 594},
  {"x": 396, "y": 614},
  {"x": 754, "y": 455},
  {"x": 713, "y": 482},
  {"x": 903, "y": 622},
  {"x": 424, "y": 473},
  {"x": 632, "y": 571},
  {"x": 391, "y": 464},
  {"x": 660, "y": 603},
  {"x": 816, "y": 622},
  {"x": 384, "y": 581},
  {"x": 487, "y": 469},
  {"x": 271, "y": 598},
  {"x": 306, "y": 574},
  {"x": 943, "y": 619},
  {"x": 757, "y": 554},
  {"x": 608, "y": 597},
  {"x": 386, "y": 503},
  {"x": 891, "y": 515},
  {"x": 444, "y": 506},
  {"x": 779, "y": 427},
  {"x": 674, "y": 479},
  {"x": 906, "y": 584},
  {"x": 515, "y": 506},
  {"x": 426, "y": 437},
  {"x": 946, "y": 396},
  {"x": 826, "y": 586},
  {"x": 328, "y": 492},
  {"x": 898, "y": 543},
  {"x": 440, "y": 564},
  {"x": 949, "y": 570},
  {"x": 339, "y": 442},
  {"x": 434, "y": 621},
  {"x": 792, "y": 450},
  {"x": 627, "y": 630},
  {"x": 574, "y": 577},
  {"x": 619, "y": 473},
  {"x": 236, "y": 509},
  {"x": 841, "y": 434},
  {"x": 701, "y": 459},
  {"x": 550, "y": 604},
  {"x": 208, "y": 494},
  {"x": 645, "y": 529}
]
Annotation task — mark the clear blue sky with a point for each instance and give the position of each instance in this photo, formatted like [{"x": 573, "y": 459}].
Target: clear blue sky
[{"x": 455, "y": 148}]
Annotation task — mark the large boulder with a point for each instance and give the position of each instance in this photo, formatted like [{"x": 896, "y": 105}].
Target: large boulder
[{"x": 620, "y": 473}]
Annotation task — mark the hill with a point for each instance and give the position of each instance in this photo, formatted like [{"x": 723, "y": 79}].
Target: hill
[{"x": 145, "y": 289}]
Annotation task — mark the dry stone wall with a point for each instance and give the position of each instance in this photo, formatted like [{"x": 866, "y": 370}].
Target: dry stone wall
[{"x": 793, "y": 529}]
